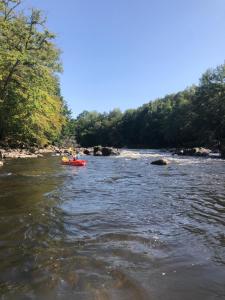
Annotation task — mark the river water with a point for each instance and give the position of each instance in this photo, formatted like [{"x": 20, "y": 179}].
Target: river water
[{"x": 119, "y": 228}]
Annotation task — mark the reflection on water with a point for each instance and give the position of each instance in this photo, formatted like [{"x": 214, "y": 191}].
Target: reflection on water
[{"x": 118, "y": 228}]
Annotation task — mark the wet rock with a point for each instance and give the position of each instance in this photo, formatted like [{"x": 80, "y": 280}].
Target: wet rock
[
  {"x": 29, "y": 152},
  {"x": 58, "y": 152},
  {"x": 115, "y": 152},
  {"x": 106, "y": 151},
  {"x": 97, "y": 148},
  {"x": 1, "y": 163},
  {"x": 20, "y": 154},
  {"x": 98, "y": 153},
  {"x": 45, "y": 150},
  {"x": 196, "y": 151},
  {"x": 160, "y": 162},
  {"x": 178, "y": 152},
  {"x": 87, "y": 152},
  {"x": 202, "y": 151},
  {"x": 17, "y": 153}
]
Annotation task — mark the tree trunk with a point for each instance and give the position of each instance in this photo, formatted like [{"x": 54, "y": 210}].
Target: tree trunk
[{"x": 7, "y": 81}]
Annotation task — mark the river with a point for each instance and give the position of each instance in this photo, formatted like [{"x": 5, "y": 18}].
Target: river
[{"x": 119, "y": 228}]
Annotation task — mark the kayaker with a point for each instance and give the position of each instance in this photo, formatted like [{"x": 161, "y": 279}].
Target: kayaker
[
  {"x": 73, "y": 156},
  {"x": 76, "y": 155}
]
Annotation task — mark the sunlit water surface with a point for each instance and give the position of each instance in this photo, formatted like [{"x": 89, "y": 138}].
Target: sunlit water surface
[{"x": 119, "y": 228}]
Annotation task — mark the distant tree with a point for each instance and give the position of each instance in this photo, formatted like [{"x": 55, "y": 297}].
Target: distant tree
[
  {"x": 195, "y": 116},
  {"x": 209, "y": 106}
]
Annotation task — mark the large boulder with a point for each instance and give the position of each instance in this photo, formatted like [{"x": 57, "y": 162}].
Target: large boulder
[
  {"x": 160, "y": 162},
  {"x": 178, "y": 152},
  {"x": 115, "y": 152},
  {"x": 106, "y": 151},
  {"x": 97, "y": 148},
  {"x": 98, "y": 153},
  {"x": 196, "y": 151},
  {"x": 202, "y": 151},
  {"x": 87, "y": 152}
]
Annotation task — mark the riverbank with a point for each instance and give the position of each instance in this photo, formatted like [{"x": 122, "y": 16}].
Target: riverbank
[
  {"x": 11, "y": 153},
  {"x": 14, "y": 153}
]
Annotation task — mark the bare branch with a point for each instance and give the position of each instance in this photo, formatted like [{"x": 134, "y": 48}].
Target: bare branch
[{"x": 8, "y": 10}]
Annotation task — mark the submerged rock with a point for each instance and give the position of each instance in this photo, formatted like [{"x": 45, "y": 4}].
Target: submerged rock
[{"x": 160, "y": 162}]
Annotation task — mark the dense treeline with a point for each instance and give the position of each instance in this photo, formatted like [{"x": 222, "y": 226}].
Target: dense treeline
[
  {"x": 32, "y": 110},
  {"x": 195, "y": 116}
]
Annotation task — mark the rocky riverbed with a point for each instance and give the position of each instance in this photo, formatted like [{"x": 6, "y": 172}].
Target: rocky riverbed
[
  {"x": 13, "y": 153},
  {"x": 34, "y": 152},
  {"x": 23, "y": 153}
]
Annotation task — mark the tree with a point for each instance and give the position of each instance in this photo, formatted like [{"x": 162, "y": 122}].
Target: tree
[
  {"x": 209, "y": 106},
  {"x": 195, "y": 116},
  {"x": 31, "y": 108}
]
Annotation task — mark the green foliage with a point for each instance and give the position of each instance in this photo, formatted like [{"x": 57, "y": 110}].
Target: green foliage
[
  {"x": 31, "y": 109},
  {"x": 93, "y": 128},
  {"x": 209, "y": 106},
  {"x": 195, "y": 116}
]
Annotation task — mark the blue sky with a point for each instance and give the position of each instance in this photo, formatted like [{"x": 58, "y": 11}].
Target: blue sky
[{"x": 124, "y": 53}]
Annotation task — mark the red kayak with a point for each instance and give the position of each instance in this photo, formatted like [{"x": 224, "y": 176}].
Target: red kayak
[{"x": 75, "y": 162}]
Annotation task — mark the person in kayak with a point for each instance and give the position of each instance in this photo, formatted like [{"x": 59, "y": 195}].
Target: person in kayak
[{"x": 76, "y": 155}]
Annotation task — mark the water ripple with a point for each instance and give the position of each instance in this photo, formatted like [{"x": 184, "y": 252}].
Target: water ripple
[{"x": 118, "y": 229}]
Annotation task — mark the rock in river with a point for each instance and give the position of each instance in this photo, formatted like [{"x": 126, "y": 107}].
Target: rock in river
[
  {"x": 107, "y": 151},
  {"x": 196, "y": 151},
  {"x": 87, "y": 152},
  {"x": 160, "y": 162},
  {"x": 98, "y": 153}
]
